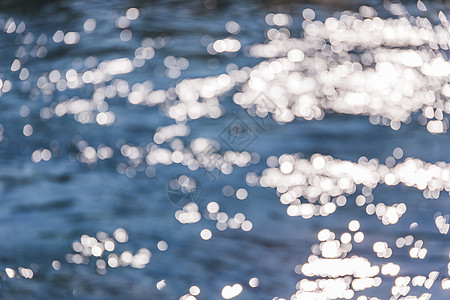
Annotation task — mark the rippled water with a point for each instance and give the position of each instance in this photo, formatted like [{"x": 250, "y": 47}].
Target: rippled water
[{"x": 212, "y": 150}]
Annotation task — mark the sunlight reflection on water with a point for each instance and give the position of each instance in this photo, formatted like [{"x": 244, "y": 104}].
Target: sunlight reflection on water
[{"x": 138, "y": 114}]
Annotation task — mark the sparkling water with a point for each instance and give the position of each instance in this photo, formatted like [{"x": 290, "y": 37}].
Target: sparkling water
[{"x": 224, "y": 149}]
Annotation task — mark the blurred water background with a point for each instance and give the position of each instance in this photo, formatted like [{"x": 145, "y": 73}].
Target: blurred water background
[{"x": 73, "y": 171}]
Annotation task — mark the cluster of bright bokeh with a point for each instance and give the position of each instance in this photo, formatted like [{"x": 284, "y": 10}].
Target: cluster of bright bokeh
[
  {"x": 319, "y": 185},
  {"x": 324, "y": 182},
  {"x": 381, "y": 81},
  {"x": 340, "y": 276},
  {"x": 391, "y": 70},
  {"x": 101, "y": 250}
]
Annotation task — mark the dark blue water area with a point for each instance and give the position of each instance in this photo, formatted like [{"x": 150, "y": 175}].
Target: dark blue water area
[{"x": 46, "y": 206}]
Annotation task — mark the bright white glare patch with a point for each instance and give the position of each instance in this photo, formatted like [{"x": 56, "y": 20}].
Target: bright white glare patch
[
  {"x": 126, "y": 35},
  {"x": 212, "y": 207},
  {"x": 132, "y": 13},
  {"x": 390, "y": 269},
  {"x": 227, "y": 45},
  {"x": 295, "y": 55},
  {"x": 58, "y": 37},
  {"x": 89, "y": 25},
  {"x": 229, "y": 292},
  {"x": 358, "y": 237},
  {"x": 324, "y": 235},
  {"x": 308, "y": 14},
  {"x": 353, "y": 225},
  {"x": 281, "y": 19},
  {"x": 233, "y": 27},
  {"x": 286, "y": 167},
  {"x": 10, "y": 272},
  {"x": 27, "y": 130},
  {"x": 194, "y": 290},
  {"x": 117, "y": 66},
  {"x": 56, "y": 265},
  {"x": 421, "y": 6},
  {"x": 253, "y": 282},
  {"x": 206, "y": 234},
  {"x": 247, "y": 225},
  {"x": 71, "y": 38},
  {"x": 121, "y": 235},
  {"x": 15, "y": 66},
  {"x": 241, "y": 194},
  {"x": 346, "y": 238},
  {"x": 162, "y": 246},
  {"x": 161, "y": 284}
]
